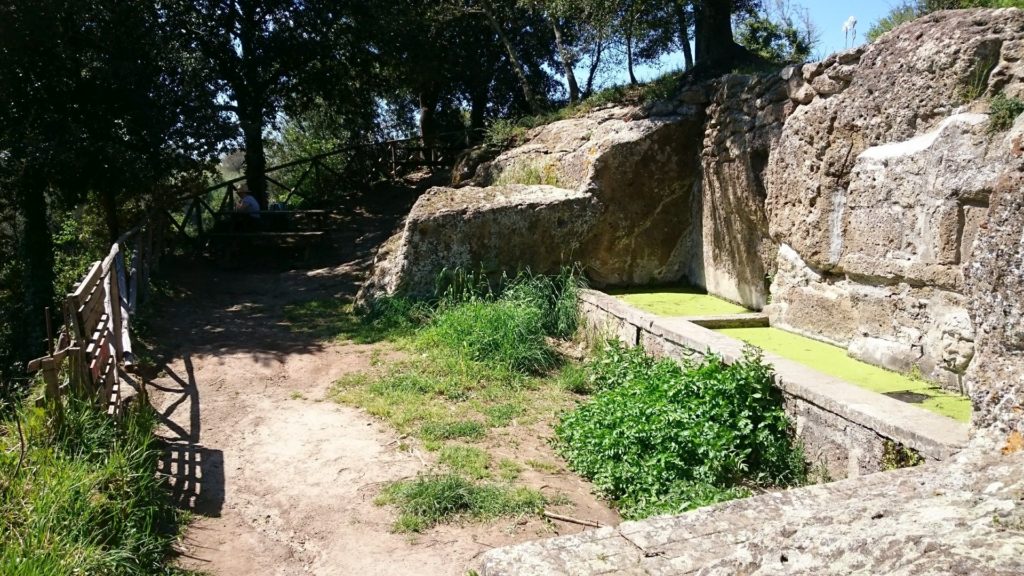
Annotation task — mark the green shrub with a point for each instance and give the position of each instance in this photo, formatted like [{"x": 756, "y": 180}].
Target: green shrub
[
  {"x": 86, "y": 499},
  {"x": 430, "y": 500},
  {"x": 662, "y": 437},
  {"x": 1003, "y": 112}
]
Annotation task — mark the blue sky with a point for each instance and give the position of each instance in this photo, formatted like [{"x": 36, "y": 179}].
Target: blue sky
[{"x": 827, "y": 15}]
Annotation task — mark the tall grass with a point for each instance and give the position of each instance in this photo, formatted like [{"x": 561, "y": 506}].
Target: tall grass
[
  {"x": 85, "y": 498},
  {"x": 506, "y": 324}
]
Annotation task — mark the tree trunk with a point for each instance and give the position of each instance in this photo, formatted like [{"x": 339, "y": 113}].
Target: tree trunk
[
  {"x": 37, "y": 256},
  {"x": 713, "y": 38},
  {"x": 108, "y": 201},
  {"x": 684, "y": 34},
  {"x": 251, "y": 97},
  {"x": 567, "y": 63},
  {"x": 595, "y": 64},
  {"x": 477, "y": 110},
  {"x": 428, "y": 117},
  {"x": 629, "y": 59},
  {"x": 517, "y": 65},
  {"x": 255, "y": 157}
]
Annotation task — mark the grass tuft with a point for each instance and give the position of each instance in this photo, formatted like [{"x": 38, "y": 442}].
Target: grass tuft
[
  {"x": 454, "y": 430},
  {"x": 432, "y": 499}
]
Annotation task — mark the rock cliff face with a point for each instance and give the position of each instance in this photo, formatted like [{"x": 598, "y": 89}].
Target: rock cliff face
[
  {"x": 995, "y": 290},
  {"x": 879, "y": 184},
  {"x": 854, "y": 199},
  {"x": 614, "y": 190}
]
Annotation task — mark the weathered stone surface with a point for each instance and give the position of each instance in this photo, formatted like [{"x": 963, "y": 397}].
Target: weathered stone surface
[
  {"x": 744, "y": 121},
  {"x": 878, "y": 188},
  {"x": 643, "y": 174},
  {"x": 995, "y": 281},
  {"x": 490, "y": 229},
  {"x": 964, "y": 517},
  {"x": 624, "y": 193}
]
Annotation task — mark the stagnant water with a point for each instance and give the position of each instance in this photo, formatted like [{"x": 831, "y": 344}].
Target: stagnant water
[{"x": 825, "y": 358}]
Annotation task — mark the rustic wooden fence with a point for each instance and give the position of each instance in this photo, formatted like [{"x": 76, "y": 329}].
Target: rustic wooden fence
[
  {"x": 194, "y": 216},
  {"x": 92, "y": 348},
  {"x": 94, "y": 344}
]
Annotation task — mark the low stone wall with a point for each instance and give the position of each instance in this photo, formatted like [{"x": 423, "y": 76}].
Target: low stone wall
[
  {"x": 843, "y": 427},
  {"x": 926, "y": 520}
]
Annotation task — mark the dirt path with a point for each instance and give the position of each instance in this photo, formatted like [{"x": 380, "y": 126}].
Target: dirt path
[{"x": 281, "y": 479}]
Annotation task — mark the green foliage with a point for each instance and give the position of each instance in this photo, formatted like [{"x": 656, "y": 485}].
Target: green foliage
[
  {"x": 530, "y": 174},
  {"x": 896, "y": 455},
  {"x": 505, "y": 325},
  {"x": 86, "y": 499},
  {"x": 453, "y": 430},
  {"x": 898, "y": 15},
  {"x": 466, "y": 461},
  {"x": 433, "y": 499},
  {"x": 661, "y": 437},
  {"x": 384, "y": 319},
  {"x": 501, "y": 332},
  {"x": 781, "y": 42},
  {"x": 1003, "y": 112},
  {"x": 505, "y": 133}
]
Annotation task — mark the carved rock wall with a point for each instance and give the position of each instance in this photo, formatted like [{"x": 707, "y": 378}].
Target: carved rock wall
[
  {"x": 879, "y": 185},
  {"x": 745, "y": 119}
]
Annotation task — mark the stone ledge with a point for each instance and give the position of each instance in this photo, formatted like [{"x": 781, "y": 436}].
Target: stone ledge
[
  {"x": 964, "y": 517},
  {"x": 935, "y": 437},
  {"x": 714, "y": 322}
]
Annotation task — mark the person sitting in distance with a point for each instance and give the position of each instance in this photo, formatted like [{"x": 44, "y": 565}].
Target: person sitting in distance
[
  {"x": 247, "y": 203},
  {"x": 247, "y": 211}
]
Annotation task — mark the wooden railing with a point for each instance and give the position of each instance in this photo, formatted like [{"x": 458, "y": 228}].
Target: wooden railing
[
  {"x": 91, "y": 351},
  {"x": 94, "y": 341},
  {"x": 194, "y": 215}
]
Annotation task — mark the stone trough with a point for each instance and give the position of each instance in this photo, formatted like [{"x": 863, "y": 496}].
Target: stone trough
[{"x": 843, "y": 426}]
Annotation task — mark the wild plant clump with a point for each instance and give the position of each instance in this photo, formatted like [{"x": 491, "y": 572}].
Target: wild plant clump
[
  {"x": 662, "y": 437},
  {"x": 84, "y": 498},
  {"x": 1003, "y": 112},
  {"x": 507, "y": 325}
]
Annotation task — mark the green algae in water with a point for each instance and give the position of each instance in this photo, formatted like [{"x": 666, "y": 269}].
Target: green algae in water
[
  {"x": 677, "y": 302},
  {"x": 833, "y": 361}
]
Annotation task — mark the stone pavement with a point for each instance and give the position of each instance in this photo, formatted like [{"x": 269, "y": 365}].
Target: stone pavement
[{"x": 965, "y": 516}]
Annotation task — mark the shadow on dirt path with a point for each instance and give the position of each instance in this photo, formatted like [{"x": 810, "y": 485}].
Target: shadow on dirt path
[{"x": 281, "y": 479}]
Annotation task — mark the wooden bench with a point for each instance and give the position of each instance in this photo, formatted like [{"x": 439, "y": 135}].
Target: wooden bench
[{"x": 301, "y": 229}]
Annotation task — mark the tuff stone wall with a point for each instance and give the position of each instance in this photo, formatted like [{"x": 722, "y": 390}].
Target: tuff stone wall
[
  {"x": 995, "y": 289},
  {"x": 745, "y": 120},
  {"x": 880, "y": 183},
  {"x": 622, "y": 189}
]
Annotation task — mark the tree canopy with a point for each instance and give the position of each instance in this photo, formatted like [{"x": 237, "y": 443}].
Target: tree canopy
[{"x": 110, "y": 105}]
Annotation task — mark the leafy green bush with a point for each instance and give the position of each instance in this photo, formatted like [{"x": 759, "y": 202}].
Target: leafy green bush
[
  {"x": 660, "y": 437},
  {"x": 1003, "y": 112},
  {"x": 86, "y": 499},
  {"x": 430, "y": 500}
]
